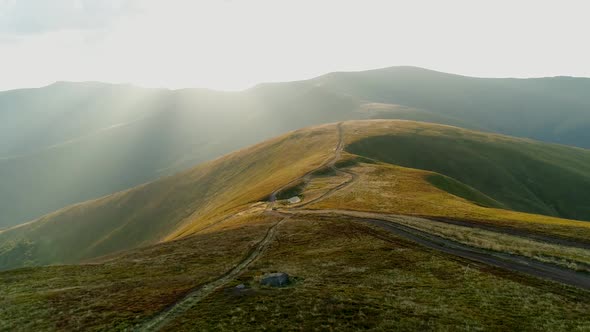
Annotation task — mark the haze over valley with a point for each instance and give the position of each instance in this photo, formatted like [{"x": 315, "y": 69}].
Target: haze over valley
[
  {"x": 294, "y": 165},
  {"x": 71, "y": 142}
]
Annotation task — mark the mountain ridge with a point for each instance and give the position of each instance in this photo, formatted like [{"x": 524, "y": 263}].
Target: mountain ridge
[
  {"x": 189, "y": 201},
  {"x": 261, "y": 84},
  {"x": 171, "y": 130}
]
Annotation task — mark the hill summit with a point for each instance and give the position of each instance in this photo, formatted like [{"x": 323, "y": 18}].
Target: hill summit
[{"x": 395, "y": 227}]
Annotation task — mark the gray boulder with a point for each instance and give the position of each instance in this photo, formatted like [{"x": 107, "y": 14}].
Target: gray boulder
[{"x": 278, "y": 279}]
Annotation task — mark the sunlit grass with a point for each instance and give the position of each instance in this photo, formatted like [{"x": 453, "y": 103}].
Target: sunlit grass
[
  {"x": 514, "y": 173},
  {"x": 116, "y": 292},
  {"x": 169, "y": 208},
  {"x": 253, "y": 173},
  {"x": 345, "y": 278},
  {"x": 573, "y": 258},
  {"x": 393, "y": 189}
]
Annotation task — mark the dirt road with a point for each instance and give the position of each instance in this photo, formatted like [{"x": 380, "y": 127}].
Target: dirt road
[
  {"x": 201, "y": 292},
  {"x": 166, "y": 316},
  {"x": 509, "y": 262},
  {"x": 328, "y": 163},
  {"x": 514, "y": 231}
]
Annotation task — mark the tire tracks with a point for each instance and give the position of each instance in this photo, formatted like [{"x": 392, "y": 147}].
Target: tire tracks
[
  {"x": 510, "y": 262},
  {"x": 164, "y": 317},
  {"x": 201, "y": 292},
  {"x": 512, "y": 231},
  {"x": 330, "y": 163},
  {"x": 506, "y": 261}
]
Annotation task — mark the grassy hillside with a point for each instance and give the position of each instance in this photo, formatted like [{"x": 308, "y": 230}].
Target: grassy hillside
[
  {"x": 346, "y": 271},
  {"x": 522, "y": 175},
  {"x": 71, "y": 142},
  {"x": 459, "y": 189},
  {"x": 121, "y": 290},
  {"x": 81, "y": 141},
  {"x": 390, "y": 189},
  {"x": 346, "y": 276},
  {"x": 171, "y": 207},
  {"x": 351, "y": 278},
  {"x": 482, "y": 173},
  {"x": 549, "y": 109}
]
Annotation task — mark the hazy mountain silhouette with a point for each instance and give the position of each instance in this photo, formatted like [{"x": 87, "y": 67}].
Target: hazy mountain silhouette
[{"x": 69, "y": 142}]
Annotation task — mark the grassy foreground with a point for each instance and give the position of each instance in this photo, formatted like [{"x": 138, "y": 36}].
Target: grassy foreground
[
  {"x": 346, "y": 278},
  {"x": 115, "y": 293}
]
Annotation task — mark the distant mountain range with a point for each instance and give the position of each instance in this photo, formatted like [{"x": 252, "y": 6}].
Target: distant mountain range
[{"x": 70, "y": 142}]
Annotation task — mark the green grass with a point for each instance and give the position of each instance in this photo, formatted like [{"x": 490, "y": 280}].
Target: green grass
[
  {"x": 169, "y": 208},
  {"x": 348, "y": 276},
  {"x": 289, "y": 192},
  {"x": 521, "y": 174},
  {"x": 167, "y": 131},
  {"x": 117, "y": 292},
  {"x": 459, "y": 189},
  {"x": 324, "y": 171},
  {"x": 393, "y": 189},
  {"x": 485, "y": 169},
  {"x": 345, "y": 276},
  {"x": 569, "y": 257}
]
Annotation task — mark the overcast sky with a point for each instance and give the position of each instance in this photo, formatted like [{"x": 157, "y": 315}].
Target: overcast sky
[{"x": 235, "y": 44}]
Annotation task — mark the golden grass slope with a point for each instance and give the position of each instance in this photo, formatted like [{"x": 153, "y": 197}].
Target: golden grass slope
[
  {"x": 389, "y": 188},
  {"x": 346, "y": 275},
  {"x": 115, "y": 292},
  {"x": 349, "y": 277},
  {"x": 183, "y": 204},
  {"x": 398, "y": 190},
  {"x": 520, "y": 174},
  {"x": 168, "y": 208}
]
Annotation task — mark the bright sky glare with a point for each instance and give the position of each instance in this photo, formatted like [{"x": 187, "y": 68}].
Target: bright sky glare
[{"x": 234, "y": 44}]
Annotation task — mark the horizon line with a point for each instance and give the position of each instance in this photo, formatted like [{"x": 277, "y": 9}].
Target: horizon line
[{"x": 286, "y": 81}]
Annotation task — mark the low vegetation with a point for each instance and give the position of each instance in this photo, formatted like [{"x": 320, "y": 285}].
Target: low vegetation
[
  {"x": 169, "y": 208},
  {"x": 457, "y": 188},
  {"x": 392, "y": 189},
  {"x": 289, "y": 192},
  {"x": 348, "y": 276},
  {"x": 194, "y": 227},
  {"x": 115, "y": 293},
  {"x": 71, "y": 142},
  {"x": 570, "y": 257},
  {"x": 187, "y": 202},
  {"x": 520, "y": 174}
]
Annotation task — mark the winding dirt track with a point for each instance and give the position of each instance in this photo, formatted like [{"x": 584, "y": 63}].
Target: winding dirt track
[
  {"x": 514, "y": 231},
  {"x": 328, "y": 163},
  {"x": 164, "y": 317},
  {"x": 332, "y": 164},
  {"x": 509, "y": 262}
]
